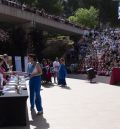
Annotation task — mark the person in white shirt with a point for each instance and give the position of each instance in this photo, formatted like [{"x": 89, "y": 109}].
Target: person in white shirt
[{"x": 56, "y": 66}]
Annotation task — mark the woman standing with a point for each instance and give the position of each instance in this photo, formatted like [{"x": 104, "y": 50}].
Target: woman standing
[
  {"x": 62, "y": 73},
  {"x": 35, "y": 71}
]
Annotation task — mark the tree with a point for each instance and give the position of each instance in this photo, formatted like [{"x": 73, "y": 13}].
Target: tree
[
  {"x": 107, "y": 10},
  {"x": 86, "y": 17}
]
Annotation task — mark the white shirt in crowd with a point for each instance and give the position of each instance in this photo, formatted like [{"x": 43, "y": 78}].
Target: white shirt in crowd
[{"x": 56, "y": 66}]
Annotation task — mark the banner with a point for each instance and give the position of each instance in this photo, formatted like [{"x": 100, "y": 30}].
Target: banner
[
  {"x": 18, "y": 64},
  {"x": 25, "y": 63}
]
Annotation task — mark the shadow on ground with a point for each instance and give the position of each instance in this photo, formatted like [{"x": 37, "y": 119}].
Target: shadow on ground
[
  {"x": 34, "y": 122},
  {"x": 38, "y": 122},
  {"x": 65, "y": 87},
  {"x": 98, "y": 79},
  {"x": 48, "y": 85}
]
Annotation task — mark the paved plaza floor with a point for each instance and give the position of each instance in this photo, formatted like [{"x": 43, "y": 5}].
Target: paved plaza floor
[{"x": 81, "y": 105}]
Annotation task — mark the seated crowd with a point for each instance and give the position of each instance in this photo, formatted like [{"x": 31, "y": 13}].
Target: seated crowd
[{"x": 103, "y": 54}]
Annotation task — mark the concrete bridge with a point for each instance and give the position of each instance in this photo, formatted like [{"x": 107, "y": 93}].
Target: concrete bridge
[{"x": 18, "y": 16}]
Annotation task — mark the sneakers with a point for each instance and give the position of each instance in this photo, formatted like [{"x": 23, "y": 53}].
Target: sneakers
[{"x": 40, "y": 113}]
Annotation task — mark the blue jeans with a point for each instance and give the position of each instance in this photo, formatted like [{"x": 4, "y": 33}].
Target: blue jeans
[{"x": 35, "y": 97}]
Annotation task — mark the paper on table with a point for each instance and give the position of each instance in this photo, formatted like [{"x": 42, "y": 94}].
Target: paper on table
[{"x": 12, "y": 91}]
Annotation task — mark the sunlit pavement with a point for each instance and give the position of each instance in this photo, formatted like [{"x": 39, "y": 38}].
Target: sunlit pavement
[{"x": 81, "y": 105}]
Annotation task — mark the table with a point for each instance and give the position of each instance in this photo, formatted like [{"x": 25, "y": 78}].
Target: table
[
  {"x": 13, "y": 105},
  {"x": 115, "y": 77}
]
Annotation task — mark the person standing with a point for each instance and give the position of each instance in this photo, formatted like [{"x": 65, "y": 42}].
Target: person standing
[
  {"x": 5, "y": 63},
  {"x": 62, "y": 73},
  {"x": 2, "y": 74},
  {"x": 56, "y": 66},
  {"x": 35, "y": 71},
  {"x": 91, "y": 73}
]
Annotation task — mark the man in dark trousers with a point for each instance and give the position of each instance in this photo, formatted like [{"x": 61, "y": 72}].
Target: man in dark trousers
[{"x": 91, "y": 74}]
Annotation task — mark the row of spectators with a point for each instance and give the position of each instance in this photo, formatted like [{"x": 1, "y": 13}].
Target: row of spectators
[
  {"x": 106, "y": 44},
  {"x": 39, "y": 12},
  {"x": 102, "y": 52}
]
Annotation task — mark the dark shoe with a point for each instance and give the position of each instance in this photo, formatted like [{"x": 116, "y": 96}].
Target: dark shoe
[
  {"x": 40, "y": 113},
  {"x": 63, "y": 85}
]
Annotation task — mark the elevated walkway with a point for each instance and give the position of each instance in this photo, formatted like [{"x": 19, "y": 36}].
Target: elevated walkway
[{"x": 18, "y": 16}]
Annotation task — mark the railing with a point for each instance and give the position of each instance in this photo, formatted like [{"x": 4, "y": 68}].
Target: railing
[{"x": 38, "y": 12}]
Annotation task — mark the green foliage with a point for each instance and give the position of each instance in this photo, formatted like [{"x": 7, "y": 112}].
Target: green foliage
[
  {"x": 73, "y": 18},
  {"x": 108, "y": 10},
  {"x": 86, "y": 17}
]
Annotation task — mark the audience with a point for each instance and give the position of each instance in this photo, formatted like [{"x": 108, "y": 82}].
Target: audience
[
  {"x": 99, "y": 50},
  {"x": 102, "y": 53}
]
